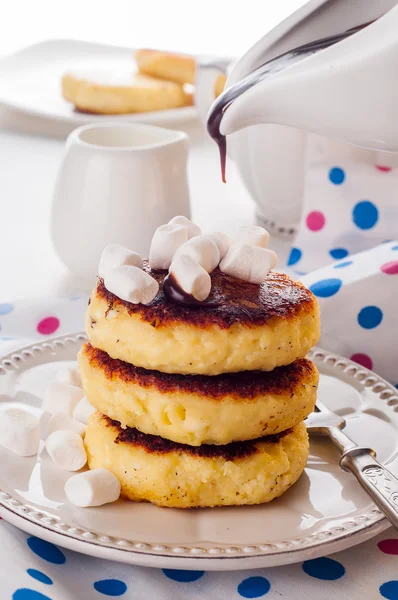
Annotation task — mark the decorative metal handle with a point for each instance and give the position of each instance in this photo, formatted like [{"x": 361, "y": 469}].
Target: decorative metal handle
[{"x": 375, "y": 479}]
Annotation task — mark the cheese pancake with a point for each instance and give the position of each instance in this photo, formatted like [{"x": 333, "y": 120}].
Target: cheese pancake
[
  {"x": 241, "y": 326},
  {"x": 198, "y": 409},
  {"x": 152, "y": 469},
  {"x": 106, "y": 93}
]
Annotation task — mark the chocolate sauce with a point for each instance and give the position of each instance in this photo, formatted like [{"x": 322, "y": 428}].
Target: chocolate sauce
[
  {"x": 268, "y": 69},
  {"x": 177, "y": 295}
]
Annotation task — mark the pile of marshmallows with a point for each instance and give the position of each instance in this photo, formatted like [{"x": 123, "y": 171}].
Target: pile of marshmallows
[
  {"x": 68, "y": 411},
  {"x": 189, "y": 256}
]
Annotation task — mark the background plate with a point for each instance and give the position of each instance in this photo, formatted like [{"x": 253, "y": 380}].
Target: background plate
[
  {"x": 326, "y": 511},
  {"x": 30, "y": 81}
]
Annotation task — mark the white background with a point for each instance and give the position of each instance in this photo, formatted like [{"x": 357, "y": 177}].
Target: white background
[{"x": 201, "y": 26}]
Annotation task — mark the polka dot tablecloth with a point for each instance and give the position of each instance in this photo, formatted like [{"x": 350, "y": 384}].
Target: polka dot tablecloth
[
  {"x": 349, "y": 204},
  {"x": 359, "y": 298},
  {"x": 33, "y": 569}
]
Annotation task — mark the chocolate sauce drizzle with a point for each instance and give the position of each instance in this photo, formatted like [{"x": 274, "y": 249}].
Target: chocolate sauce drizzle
[
  {"x": 268, "y": 69},
  {"x": 176, "y": 294}
]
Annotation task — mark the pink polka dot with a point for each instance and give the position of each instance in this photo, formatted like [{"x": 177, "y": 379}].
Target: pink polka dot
[
  {"x": 48, "y": 325},
  {"x": 391, "y": 268},
  {"x": 315, "y": 220},
  {"x": 388, "y": 546},
  {"x": 383, "y": 169},
  {"x": 362, "y": 359}
]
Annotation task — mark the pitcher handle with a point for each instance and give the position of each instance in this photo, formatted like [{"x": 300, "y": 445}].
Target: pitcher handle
[{"x": 209, "y": 82}]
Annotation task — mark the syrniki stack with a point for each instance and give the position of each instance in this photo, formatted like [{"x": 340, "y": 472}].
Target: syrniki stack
[{"x": 201, "y": 390}]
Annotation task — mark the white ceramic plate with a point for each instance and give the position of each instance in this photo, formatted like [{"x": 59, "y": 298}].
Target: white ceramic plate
[
  {"x": 326, "y": 511},
  {"x": 30, "y": 80}
]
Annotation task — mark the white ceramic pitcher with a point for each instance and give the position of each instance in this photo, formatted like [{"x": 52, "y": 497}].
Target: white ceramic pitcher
[
  {"x": 116, "y": 184},
  {"x": 347, "y": 92}
]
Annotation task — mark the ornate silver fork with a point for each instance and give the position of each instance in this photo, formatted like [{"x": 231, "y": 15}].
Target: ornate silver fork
[{"x": 376, "y": 480}]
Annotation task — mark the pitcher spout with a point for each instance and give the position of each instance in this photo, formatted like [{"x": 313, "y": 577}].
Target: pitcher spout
[{"x": 346, "y": 91}]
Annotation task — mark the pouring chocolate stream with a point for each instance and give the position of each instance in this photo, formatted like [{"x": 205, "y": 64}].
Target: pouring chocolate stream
[{"x": 266, "y": 70}]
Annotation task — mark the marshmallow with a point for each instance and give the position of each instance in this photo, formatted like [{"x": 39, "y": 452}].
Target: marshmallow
[
  {"x": 114, "y": 256},
  {"x": 131, "y": 284},
  {"x": 191, "y": 277},
  {"x": 250, "y": 263},
  {"x": 62, "y": 398},
  {"x": 66, "y": 449},
  {"x": 192, "y": 229},
  {"x": 166, "y": 240},
  {"x": 202, "y": 250},
  {"x": 83, "y": 410},
  {"x": 60, "y": 421},
  {"x": 19, "y": 431},
  {"x": 92, "y": 488},
  {"x": 222, "y": 241},
  {"x": 69, "y": 375},
  {"x": 252, "y": 234}
]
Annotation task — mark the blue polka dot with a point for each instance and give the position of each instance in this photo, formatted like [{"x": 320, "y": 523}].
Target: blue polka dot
[
  {"x": 254, "y": 587},
  {"x": 324, "y": 568},
  {"x": 294, "y": 256},
  {"x": 336, "y": 175},
  {"x": 183, "y": 576},
  {"x": 341, "y": 265},
  {"x": 365, "y": 215},
  {"x": 25, "y": 594},
  {"x": 6, "y": 308},
  {"x": 110, "y": 587},
  {"x": 389, "y": 590},
  {"x": 46, "y": 550},
  {"x": 326, "y": 287},
  {"x": 338, "y": 253},
  {"x": 42, "y": 577},
  {"x": 394, "y": 248},
  {"x": 370, "y": 317}
]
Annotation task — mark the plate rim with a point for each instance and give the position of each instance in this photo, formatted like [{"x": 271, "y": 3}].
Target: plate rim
[
  {"x": 181, "y": 114},
  {"x": 351, "y": 532}
]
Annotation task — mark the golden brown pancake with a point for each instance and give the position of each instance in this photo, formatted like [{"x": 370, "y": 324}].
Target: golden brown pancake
[
  {"x": 251, "y": 327},
  {"x": 170, "y": 66},
  {"x": 169, "y": 474},
  {"x": 110, "y": 93},
  {"x": 198, "y": 409}
]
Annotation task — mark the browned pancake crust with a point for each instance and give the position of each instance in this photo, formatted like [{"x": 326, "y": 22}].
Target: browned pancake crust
[
  {"x": 158, "y": 445},
  {"x": 245, "y": 385},
  {"x": 238, "y": 302}
]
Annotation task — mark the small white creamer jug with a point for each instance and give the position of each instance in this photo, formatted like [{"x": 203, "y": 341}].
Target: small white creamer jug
[{"x": 117, "y": 183}]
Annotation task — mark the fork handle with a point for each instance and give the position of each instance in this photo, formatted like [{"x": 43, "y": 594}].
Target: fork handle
[{"x": 375, "y": 479}]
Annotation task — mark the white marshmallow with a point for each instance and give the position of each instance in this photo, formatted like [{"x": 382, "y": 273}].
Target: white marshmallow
[
  {"x": 191, "y": 277},
  {"x": 250, "y": 263},
  {"x": 114, "y": 255},
  {"x": 202, "y": 250},
  {"x": 62, "y": 398},
  {"x": 60, "y": 421},
  {"x": 19, "y": 431},
  {"x": 252, "y": 234},
  {"x": 66, "y": 449},
  {"x": 83, "y": 410},
  {"x": 166, "y": 240},
  {"x": 131, "y": 284},
  {"x": 69, "y": 375},
  {"x": 92, "y": 488},
  {"x": 192, "y": 229},
  {"x": 222, "y": 241}
]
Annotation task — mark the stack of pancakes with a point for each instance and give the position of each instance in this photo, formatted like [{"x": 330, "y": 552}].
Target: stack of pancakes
[{"x": 202, "y": 406}]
